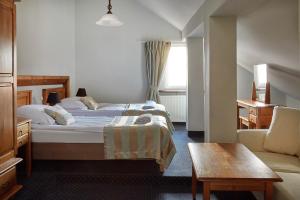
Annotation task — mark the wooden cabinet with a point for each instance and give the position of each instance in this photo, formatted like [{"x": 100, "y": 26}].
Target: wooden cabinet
[
  {"x": 6, "y": 118},
  {"x": 8, "y": 139}
]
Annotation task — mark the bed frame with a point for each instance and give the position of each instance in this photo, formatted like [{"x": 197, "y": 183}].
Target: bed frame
[
  {"x": 56, "y": 151},
  {"x": 63, "y": 91}
]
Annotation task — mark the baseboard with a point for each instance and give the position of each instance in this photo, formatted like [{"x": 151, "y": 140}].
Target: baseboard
[
  {"x": 179, "y": 123},
  {"x": 195, "y": 133}
]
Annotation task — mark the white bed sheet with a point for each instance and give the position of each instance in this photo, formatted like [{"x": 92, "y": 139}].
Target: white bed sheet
[
  {"x": 84, "y": 130},
  {"x": 105, "y": 109}
]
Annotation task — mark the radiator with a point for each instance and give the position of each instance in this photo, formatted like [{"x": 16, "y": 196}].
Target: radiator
[{"x": 176, "y": 106}]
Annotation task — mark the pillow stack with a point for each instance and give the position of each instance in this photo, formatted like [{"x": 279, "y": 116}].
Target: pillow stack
[
  {"x": 89, "y": 102},
  {"x": 284, "y": 133},
  {"x": 61, "y": 116},
  {"x": 36, "y": 114}
]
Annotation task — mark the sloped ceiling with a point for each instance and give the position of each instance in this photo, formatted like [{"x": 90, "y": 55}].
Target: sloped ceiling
[{"x": 176, "y": 12}]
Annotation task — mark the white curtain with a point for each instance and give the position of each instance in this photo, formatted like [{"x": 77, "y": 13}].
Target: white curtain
[{"x": 156, "y": 57}]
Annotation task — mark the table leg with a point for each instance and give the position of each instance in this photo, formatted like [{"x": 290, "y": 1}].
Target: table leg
[
  {"x": 206, "y": 191},
  {"x": 194, "y": 184},
  {"x": 268, "y": 190}
]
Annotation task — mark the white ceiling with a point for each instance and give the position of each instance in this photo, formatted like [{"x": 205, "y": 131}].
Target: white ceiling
[{"x": 176, "y": 12}]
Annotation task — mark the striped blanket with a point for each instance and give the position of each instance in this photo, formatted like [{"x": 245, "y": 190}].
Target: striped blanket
[
  {"x": 125, "y": 140},
  {"x": 137, "y": 109}
]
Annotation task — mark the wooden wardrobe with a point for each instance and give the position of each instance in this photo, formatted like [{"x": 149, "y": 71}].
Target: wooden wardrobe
[{"x": 8, "y": 160}]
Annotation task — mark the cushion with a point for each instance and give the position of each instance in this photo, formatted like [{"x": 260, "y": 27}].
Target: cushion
[
  {"x": 90, "y": 102},
  {"x": 280, "y": 162},
  {"x": 36, "y": 114},
  {"x": 283, "y": 135},
  {"x": 61, "y": 116},
  {"x": 73, "y": 104}
]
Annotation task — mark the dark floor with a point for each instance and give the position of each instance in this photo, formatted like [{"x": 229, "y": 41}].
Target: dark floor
[{"x": 107, "y": 180}]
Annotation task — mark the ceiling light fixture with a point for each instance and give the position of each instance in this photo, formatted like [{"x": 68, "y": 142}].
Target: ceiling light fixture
[{"x": 109, "y": 19}]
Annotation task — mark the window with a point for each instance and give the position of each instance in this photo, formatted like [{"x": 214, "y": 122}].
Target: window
[{"x": 175, "y": 74}]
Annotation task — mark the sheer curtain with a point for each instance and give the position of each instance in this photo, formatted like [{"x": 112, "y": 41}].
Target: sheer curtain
[{"x": 156, "y": 57}]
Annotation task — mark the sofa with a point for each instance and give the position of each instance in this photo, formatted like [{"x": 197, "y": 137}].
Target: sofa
[{"x": 279, "y": 148}]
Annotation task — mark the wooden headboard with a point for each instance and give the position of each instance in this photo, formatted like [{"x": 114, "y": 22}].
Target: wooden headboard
[
  {"x": 64, "y": 91},
  {"x": 24, "y": 98},
  {"x": 60, "y": 91}
]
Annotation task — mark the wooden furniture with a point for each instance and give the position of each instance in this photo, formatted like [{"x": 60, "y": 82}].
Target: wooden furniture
[
  {"x": 229, "y": 167},
  {"x": 61, "y": 151},
  {"x": 63, "y": 91},
  {"x": 8, "y": 161},
  {"x": 267, "y": 90},
  {"x": 24, "y": 139},
  {"x": 24, "y": 97},
  {"x": 259, "y": 114}
]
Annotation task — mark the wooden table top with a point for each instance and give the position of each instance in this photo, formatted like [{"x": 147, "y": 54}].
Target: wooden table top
[
  {"x": 255, "y": 104},
  {"x": 22, "y": 120},
  {"x": 213, "y": 161}
]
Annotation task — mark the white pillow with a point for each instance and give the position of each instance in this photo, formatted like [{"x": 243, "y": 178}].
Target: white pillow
[
  {"x": 36, "y": 114},
  {"x": 61, "y": 116},
  {"x": 73, "y": 103},
  {"x": 284, "y": 133}
]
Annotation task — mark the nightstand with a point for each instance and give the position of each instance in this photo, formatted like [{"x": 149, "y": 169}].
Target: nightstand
[{"x": 24, "y": 139}]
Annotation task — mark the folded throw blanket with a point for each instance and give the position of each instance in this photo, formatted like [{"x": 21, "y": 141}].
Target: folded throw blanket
[
  {"x": 143, "y": 119},
  {"x": 149, "y": 105}
]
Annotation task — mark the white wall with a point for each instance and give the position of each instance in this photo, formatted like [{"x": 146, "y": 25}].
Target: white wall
[
  {"x": 110, "y": 61},
  {"x": 60, "y": 37},
  {"x": 221, "y": 88},
  {"x": 46, "y": 38},
  {"x": 195, "y": 120},
  {"x": 270, "y": 35}
]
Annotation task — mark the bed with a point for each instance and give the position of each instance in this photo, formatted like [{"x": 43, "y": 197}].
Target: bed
[
  {"x": 105, "y": 109},
  {"x": 97, "y": 138},
  {"x": 109, "y": 109}
]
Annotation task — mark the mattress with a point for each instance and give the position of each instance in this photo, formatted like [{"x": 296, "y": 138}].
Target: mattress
[{"x": 84, "y": 130}]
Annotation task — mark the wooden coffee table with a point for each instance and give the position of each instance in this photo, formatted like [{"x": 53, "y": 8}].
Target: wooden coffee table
[{"x": 229, "y": 167}]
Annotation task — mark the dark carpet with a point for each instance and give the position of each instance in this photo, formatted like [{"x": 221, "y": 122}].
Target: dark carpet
[{"x": 109, "y": 180}]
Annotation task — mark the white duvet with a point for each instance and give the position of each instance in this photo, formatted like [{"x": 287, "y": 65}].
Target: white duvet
[{"x": 84, "y": 130}]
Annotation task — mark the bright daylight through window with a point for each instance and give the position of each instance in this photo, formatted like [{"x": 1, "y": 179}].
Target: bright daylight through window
[{"x": 175, "y": 74}]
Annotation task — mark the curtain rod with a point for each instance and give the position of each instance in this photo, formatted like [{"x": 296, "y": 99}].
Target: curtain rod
[{"x": 172, "y": 41}]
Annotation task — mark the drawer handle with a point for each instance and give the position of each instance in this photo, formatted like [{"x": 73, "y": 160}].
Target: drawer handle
[{"x": 4, "y": 186}]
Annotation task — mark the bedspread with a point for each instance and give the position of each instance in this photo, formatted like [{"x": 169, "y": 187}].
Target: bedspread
[
  {"x": 125, "y": 140},
  {"x": 137, "y": 109}
]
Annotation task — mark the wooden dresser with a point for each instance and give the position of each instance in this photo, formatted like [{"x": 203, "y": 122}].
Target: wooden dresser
[
  {"x": 8, "y": 139},
  {"x": 259, "y": 114},
  {"x": 24, "y": 140}
]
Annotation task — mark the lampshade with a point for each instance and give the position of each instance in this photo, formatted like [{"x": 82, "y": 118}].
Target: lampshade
[
  {"x": 53, "y": 98},
  {"x": 109, "y": 19},
  {"x": 81, "y": 92}
]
